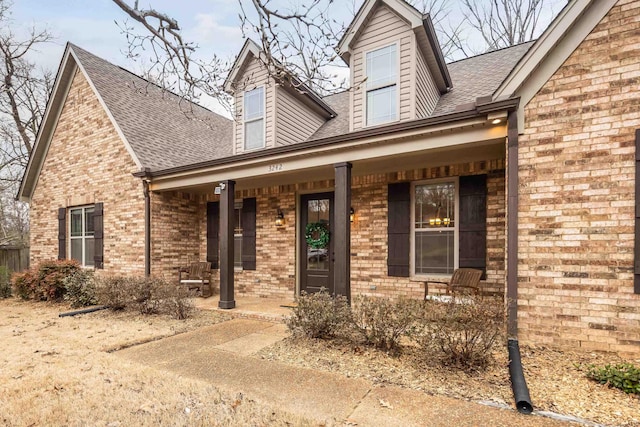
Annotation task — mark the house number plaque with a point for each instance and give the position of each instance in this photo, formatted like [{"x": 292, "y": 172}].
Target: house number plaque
[{"x": 275, "y": 167}]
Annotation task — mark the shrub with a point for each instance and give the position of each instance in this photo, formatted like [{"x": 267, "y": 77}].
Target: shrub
[
  {"x": 382, "y": 321},
  {"x": 44, "y": 282},
  {"x": 150, "y": 295},
  {"x": 80, "y": 288},
  {"x": 462, "y": 332},
  {"x": 319, "y": 315},
  {"x": 5, "y": 283},
  {"x": 624, "y": 376}
]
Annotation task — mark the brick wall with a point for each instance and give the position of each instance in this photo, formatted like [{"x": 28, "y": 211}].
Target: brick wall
[
  {"x": 576, "y": 231},
  {"x": 71, "y": 177},
  {"x": 275, "y": 275}
]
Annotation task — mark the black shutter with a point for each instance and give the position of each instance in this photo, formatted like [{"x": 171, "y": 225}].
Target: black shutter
[
  {"x": 472, "y": 224},
  {"x": 398, "y": 229},
  {"x": 213, "y": 227},
  {"x": 62, "y": 233},
  {"x": 249, "y": 234},
  {"x": 98, "y": 235}
]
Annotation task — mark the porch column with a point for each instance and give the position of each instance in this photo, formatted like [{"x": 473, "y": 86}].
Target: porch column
[
  {"x": 512, "y": 225},
  {"x": 227, "y": 196},
  {"x": 342, "y": 230}
]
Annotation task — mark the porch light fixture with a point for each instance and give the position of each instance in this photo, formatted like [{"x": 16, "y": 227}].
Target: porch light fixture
[
  {"x": 280, "y": 219},
  {"x": 497, "y": 117},
  {"x": 496, "y": 121},
  {"x": 352, "y": 215}
]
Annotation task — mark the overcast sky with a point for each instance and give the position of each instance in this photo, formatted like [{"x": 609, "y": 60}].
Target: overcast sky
[{"x": 214, "y": 24}]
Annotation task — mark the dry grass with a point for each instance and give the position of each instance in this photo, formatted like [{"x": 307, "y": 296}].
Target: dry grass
[
  {"x": 554, "y": 377},
  {"x": 57, "y": 371}
]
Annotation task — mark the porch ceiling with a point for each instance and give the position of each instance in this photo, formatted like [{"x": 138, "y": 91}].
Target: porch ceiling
[{"x": 477, "y": 141}]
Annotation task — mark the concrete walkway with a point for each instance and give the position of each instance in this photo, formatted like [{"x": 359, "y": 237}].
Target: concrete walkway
[{"x": 222, "y": 355}]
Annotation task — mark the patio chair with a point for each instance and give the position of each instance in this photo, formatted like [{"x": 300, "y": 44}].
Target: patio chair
[
  {"x": 463, "y": 281},
  {"x": 196, "y": 277}
]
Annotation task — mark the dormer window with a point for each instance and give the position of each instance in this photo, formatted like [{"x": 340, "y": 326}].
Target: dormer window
[
  {"x": 254, "y": 119},
  {"x": 382, "y": 85}
]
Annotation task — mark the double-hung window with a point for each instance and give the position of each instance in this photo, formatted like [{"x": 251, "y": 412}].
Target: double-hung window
[
  {"x": 254, "y": 119},
  {"x": 81, "y": 235},
  {"x": 435, "y": 227},
  {"x": 382, "y": 85}
]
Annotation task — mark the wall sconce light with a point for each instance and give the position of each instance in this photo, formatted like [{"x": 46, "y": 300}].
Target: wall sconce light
[
  {"x": 279, "y": 219},
  {"x": 352, "y": 215}
]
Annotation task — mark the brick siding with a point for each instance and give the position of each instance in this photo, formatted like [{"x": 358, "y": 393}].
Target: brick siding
[
  {"x": 70, "y": 177},
  {"x": 577, "y": 170}
]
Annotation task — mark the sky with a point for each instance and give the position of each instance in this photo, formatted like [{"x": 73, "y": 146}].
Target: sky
[{"x": 214, "y": 24}]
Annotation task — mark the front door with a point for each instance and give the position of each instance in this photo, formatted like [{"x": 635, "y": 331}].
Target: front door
[{"x": 316, "y": 242}]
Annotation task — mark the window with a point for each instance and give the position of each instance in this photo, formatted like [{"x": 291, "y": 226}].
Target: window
[
  {"x": 254, "y": 119},
  {"x": 382, "y": 85},
  {"x": 81, "y": 235},
  {"x": 237, "y": 237},
  {"x": 435, "y": 227}
]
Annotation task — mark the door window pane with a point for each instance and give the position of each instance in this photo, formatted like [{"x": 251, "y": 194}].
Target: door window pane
[{"x": 318, "y": 212}]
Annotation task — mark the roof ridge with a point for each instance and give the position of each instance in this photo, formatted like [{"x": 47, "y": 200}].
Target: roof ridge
[{"x": 492, "y": 51}]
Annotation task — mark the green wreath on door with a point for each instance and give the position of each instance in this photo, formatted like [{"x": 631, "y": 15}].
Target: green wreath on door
[{"x": 317, "y": 235}]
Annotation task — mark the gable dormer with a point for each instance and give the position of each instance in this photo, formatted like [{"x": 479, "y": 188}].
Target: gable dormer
[
  {"x": 270, "y": 113},
  {"x": 397, "y": 68}
]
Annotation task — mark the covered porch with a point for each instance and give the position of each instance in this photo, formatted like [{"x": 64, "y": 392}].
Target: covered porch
[{"x": 275, "y": 258}]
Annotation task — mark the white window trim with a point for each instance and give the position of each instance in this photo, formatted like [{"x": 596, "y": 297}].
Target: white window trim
[
  {"x": 83, "y": 238},
  {"x": 456, "y": 231},
  {"x": 263, "y": 118},
  {"x": 366, "y": 89}
]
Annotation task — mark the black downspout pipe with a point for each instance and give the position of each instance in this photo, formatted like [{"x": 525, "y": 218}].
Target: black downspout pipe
[
  {"x": 147, "y": 224},
  {"x": 518, "y": 383}
]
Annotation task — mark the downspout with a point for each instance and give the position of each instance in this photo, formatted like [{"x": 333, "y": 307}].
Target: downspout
[
  {"x": 518, "y": 383},
  {"x": 147, "y": 222}
]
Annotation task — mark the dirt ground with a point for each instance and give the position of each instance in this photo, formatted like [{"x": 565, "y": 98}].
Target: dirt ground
[
  {"x": 555, "y": 379},
  {"x": 58, "y": 371}
]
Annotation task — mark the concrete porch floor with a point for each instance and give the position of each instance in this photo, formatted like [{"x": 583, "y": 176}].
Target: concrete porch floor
[{"x": 269, "y": 309}]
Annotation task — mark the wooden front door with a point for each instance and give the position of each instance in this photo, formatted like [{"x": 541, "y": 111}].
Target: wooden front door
[{"x": 316, "y": 257}]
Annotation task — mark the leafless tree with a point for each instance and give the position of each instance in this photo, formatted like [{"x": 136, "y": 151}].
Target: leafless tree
[
  {"x": 504, "y": 23},
  {"x": 24, "y": 91}
]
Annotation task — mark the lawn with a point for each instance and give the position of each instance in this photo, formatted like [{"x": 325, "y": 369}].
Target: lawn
[{"x": 58, "y": 371}]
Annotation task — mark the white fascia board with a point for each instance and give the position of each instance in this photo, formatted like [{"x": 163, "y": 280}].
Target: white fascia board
[{"x": 249, "y": 47}]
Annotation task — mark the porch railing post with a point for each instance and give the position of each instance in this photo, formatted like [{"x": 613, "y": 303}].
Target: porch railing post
[
  {"x": 342, "y": 230},
  {"x": 227, "y": 198}
]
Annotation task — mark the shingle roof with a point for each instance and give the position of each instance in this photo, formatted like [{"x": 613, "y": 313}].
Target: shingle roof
[
  {"x": 472, "y": 78},
  {"x": 163, "y": 130},
  {"x": 479, "y": 76}
]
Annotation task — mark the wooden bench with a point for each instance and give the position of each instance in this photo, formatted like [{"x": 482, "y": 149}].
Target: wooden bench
[
  {"x": 463, "y": 281},
  {"x": 196, "y": 277}
]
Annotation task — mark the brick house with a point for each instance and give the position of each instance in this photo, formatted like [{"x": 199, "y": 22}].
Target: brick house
[{"x": 520, "y": 162}]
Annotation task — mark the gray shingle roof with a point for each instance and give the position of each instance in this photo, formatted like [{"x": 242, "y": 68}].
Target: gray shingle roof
[
  {"x": 472, "y": 78},
  {"x": 163, "y": 130},
  {"x": 479, "y": 76}
]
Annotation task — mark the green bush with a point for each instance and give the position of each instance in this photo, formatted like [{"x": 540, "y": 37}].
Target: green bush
[
  {"x": 152, "y": 295},
  {"x": 80, "y": 288},
  {"x": 319, "y": 315},
  {"x": 463, "y": 332},
  {"x": 44, "y": 282},
  {"x": 382, "y": 321},
  {"x": 624, "y": 376},
  {"x": 5, "y": 283}
]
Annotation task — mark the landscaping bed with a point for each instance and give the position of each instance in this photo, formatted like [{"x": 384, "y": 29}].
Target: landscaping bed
[{"x": 556, "y": 379}]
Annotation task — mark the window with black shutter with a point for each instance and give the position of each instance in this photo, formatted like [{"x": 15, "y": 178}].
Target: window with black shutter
[
  {"x": 473, "y": 222},
  {"x": 98, "y": 226},
  {"x": 62, "y": 233}
]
